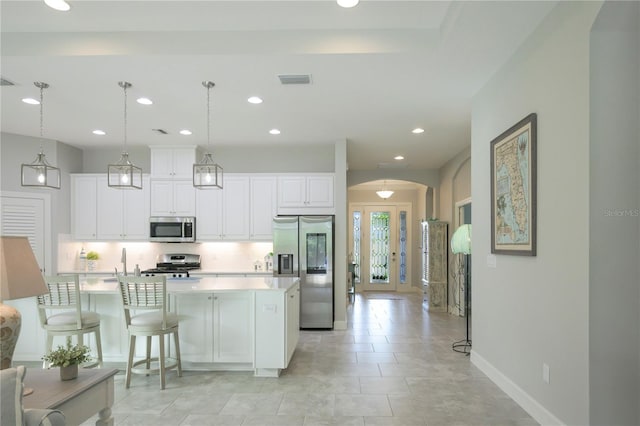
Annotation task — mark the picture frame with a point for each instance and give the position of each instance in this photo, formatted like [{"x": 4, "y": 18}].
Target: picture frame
[{"x": 514, "y": 189}]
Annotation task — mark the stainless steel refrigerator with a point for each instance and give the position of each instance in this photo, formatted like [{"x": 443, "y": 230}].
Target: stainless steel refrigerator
[{"x": 303, "y": 247}]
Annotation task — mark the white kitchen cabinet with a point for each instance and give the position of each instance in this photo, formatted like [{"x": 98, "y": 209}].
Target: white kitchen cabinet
[
  {"x": 172, "y": 198},
  {"x": 99, "y": 212},
  {"x": 306, "y": 194},
  {"x": 216, "y": 327},
  {"x": 235, "y": 207},
  {"x": 84, "y": 207},
  {"x": 195, "y": 313},
  {"x": 263, "y": 201},
  {"x": 277, "y": 329},
  {"x": 122, "y": 214},
  {"x": 171, "y": 162},
  {"x": 208, "y": 214},
  {"x": 233, "y": 327}
]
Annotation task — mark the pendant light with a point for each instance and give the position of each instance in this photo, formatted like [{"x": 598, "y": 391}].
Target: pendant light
[
  {"x": 123, "y": 174},
  {"x": 207, "y": 174},
  {"x": 384, "y": 193},
  {"x": 40, "y": 173}
]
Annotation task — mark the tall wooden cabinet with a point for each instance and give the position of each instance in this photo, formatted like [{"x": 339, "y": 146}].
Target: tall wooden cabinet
[{"x": 435, "y": 250}]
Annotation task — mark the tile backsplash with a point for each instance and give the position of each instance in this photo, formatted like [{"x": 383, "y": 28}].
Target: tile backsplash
[{"x": 215, "y": 256}]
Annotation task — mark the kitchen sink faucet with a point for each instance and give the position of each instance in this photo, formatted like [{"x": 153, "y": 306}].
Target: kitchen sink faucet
[{"x": 123, "y": 259}]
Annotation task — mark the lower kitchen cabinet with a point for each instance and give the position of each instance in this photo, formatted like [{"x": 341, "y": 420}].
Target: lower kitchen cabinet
[
  {"x": 233, "y": 327},
  {"x": 277, "y": 329},
  {"x": 215, "y": 327}
]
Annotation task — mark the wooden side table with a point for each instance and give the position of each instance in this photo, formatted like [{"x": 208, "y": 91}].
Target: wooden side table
[{"x": 79, "y": 399}]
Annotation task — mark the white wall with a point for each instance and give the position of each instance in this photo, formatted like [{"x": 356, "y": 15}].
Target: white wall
[
  {"x": 614, "y": 309},
  {"x": 533, "y": 310}
]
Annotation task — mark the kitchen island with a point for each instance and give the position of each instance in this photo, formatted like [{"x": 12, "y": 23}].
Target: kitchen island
[{"x": 226, "y": 322}]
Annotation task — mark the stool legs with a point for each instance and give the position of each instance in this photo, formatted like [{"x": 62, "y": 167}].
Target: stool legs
[
  {"x": 178, "y": 360},
  {"x": 132, "y": 349}
]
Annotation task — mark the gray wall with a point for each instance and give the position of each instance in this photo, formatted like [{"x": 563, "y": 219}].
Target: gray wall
[
  {"x": 241, "y": 159},
  {"x": 16, "y": 150},
  {"x": 533, "y": 310},
  {"x": 614, "y": 223}
]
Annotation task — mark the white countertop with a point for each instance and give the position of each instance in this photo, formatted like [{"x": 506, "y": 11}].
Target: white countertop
[{"x": 197, "y": 284}]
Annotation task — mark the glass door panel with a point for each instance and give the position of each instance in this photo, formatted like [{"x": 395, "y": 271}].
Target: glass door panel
[{"x": 378, "y": 268}]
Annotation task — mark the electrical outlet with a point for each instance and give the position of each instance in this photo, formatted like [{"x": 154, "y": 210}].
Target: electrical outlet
[{"x": 546, "y": 373}]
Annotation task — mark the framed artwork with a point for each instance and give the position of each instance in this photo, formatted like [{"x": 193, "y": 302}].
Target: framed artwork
[{"x": 513, "y": 189}]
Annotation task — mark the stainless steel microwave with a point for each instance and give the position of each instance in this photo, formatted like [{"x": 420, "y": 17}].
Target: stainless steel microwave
[{"x": 169, "y": 229}]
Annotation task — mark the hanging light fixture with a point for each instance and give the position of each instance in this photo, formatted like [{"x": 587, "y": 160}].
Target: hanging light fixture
[
  {"x": 384, "y": 193},
  {"x": 40, "y": 173},
  {"x": 207, "y": 174},
  {"x": 123, "y": 174}
]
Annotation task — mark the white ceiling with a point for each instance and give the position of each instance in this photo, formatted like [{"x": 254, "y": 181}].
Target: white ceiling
[{"x": 378, "y": 71}]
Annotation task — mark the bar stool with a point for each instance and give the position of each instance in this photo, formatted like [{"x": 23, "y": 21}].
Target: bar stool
[
  {"x": 61, "y": 313},
  {"x": 149, "y": 295}
]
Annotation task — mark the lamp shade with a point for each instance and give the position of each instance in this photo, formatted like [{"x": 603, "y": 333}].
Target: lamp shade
[
  {"x": 20, "y": 275},
  {"x": 461, "y": 240}
]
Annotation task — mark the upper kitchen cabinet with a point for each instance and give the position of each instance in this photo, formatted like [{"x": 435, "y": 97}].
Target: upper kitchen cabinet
[
  {"x": 84, "y": 207},
  {"x": 263, "y": 206},
  {"x": 306, "y": 194},
  {"x": 99, "y": 212},
  {"x": 208, "y": 214},
  {"x": 173, "y": 198},
  {"x": 123, "y": 214},
  {"x": 235, "y": 207},
  {"x": 168, "y": 162}
]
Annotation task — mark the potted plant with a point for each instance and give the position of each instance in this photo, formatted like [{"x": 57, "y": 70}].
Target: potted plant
[
  {"x": 68, "y": 358},
  {"x": 92, "y": 260}
]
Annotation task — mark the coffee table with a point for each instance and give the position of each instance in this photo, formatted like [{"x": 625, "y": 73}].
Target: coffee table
[{"x": 79, "y": 399}]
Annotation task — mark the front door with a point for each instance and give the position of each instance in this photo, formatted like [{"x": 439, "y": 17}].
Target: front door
[{"x": 379, "y": 248}]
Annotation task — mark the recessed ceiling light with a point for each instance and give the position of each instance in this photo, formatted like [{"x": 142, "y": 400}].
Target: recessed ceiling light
[
  {"x": 99, "y": 132},
  {"x": 254, "y": 100},
  {"x": 274, "y": 131},
  {"x": 185, "y": 132},
  {"x": 417, "y": 130},
  {"x": 144, "y": 101},
  {"x": 60, "y": 5},
  {"x": 31, "y": 101},
  {"x": 398, "y": 157},
  {"x": 348, "y": 3}
]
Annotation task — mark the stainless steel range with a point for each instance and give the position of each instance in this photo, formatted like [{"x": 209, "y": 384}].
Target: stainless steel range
[{"x": 175, "y": 265}]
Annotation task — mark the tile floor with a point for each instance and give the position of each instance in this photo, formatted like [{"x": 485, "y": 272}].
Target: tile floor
[{"x": 393, "y": 366}]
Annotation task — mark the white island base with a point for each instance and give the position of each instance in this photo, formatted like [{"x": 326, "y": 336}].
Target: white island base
[{"x": 226, "y": 323}]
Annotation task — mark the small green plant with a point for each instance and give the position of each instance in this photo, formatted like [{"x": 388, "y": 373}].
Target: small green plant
[
  {"x": 93, "y": 255},
  {"x": 66, "y": 356}
]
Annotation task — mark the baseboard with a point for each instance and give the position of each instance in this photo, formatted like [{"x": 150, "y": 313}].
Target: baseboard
[{"x": 526, "y": 401}]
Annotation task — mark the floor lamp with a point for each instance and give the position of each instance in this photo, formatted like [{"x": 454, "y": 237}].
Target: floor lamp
[
  {"x": 461, "y": 244},
  {"x": 20, "y": 277}
]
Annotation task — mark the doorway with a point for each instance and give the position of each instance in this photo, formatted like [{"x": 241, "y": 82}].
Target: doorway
[
  {"x": 462, "y": 264},
  {"x": 379, "y": 246}
]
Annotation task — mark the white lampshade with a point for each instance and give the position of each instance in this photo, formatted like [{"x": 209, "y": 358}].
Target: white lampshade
[
  {"x": 461, "y": 240},
  {"x": 20, "y": 277}
]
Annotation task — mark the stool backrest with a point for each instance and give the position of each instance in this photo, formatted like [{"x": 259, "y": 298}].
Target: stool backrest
[
  {"x": 64, "y": 294},
  {"x": 143, "y": 293}
]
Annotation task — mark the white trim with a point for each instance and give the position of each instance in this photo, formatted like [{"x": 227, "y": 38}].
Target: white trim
[{"x": 526, "y": 401}]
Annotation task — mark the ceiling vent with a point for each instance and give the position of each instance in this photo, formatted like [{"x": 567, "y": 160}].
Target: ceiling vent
[
  {"x": 161, "y": 131},
  {"x": 295, "y": 78},
  {"x": 5, "y": 82}
]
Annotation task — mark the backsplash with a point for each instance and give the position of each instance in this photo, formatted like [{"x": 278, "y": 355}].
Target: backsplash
[{"x": 215, "y": 256}]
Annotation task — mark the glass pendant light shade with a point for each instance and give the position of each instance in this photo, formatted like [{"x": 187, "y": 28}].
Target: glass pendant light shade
[
  {"x": 384, "y": 194},
  {"x": 123, "y": 174},
  {"x": 461, "y": 240},
  {"x": 40, "y": 173},
  {"x": 207, "y": 174}
]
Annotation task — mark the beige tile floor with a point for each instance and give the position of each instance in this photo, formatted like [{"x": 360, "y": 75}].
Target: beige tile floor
[{"x": 393, "y": 366}]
